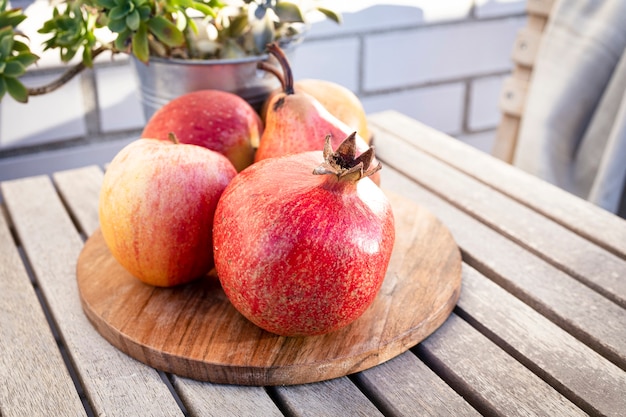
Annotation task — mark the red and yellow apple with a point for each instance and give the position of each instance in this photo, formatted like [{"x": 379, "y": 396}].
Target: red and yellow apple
[
  {"x": 217, "y": 120},
  {"x": 156, "y": 208}
]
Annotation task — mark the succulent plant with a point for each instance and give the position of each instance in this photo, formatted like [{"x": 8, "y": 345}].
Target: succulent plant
[
  {"x": 186, "y": 29},
  {"x": 15, "y": 55}
]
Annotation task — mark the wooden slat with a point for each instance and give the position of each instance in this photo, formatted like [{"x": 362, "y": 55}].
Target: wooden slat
[
  {"x": 586, "y": 378},
  {"x": 526, "y": 46},
  {"x": 539, "y": 7},
  {"x": 80, "y": 190},
  {"x": 515, "y": 89},
  {"x": 582, "y": 375},
  {"x": 336, "y": 397},
  {"x": 586, "y": 219},
  {"x": 32, "y": 371},
  {"x": 214, "y": 400},
  {"x": 504, "y": 147},
  {"x": 575, "y": 307},
  {"x": 513, "y": 96},
  {"x": 52, "y": 245},
  {"x": 405, "y": 377},
  {"x": 589, "y": 263},
  {"x": 493, "y": 381}
]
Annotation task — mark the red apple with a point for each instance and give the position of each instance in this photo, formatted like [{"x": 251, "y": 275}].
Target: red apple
[
  {"x": 217, "y": 120},
  {"x": 156, "y": 208}
]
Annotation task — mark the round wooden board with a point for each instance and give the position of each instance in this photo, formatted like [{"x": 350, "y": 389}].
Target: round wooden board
[{"x": 194, "y": 331}]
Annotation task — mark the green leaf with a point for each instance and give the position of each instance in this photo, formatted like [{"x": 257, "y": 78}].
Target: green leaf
[
  {"x": 166, "y": 31},
  {"x": 118, "y": 13},
  {"x": 144, "y": 12},
  {"x": 108, "y": 4},
  {"x": 203, "y": 8},
  {"x": 26, "y": 58},
  {"x": 289, "y": 12},
  {"x": 237, "y": 25},
  {"x": 121, "y": 42},
  {"x": 68, "y": 53},
  {"x": 14, "y": 69},
  {"x": 11, "y": 18},
  {"x": 20, "y": 46},
  {"x": 16, "y": 89},
  {"x": 2, "y": 67},
  {"x": 140, "y": 44},
  {"x": 117, "y": 25},
  {"x": 3, "y": 87},
  {"x": 6, "y": 45},
  {"x": 133, "y": 20},
  {"x": 330, "y": 14}
]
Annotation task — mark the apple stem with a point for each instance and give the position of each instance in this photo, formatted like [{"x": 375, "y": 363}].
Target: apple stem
[
  {"x": 278, "y": 53},
  {"x": 272, "y": 69},
  {"x": 171, "y": 136}
]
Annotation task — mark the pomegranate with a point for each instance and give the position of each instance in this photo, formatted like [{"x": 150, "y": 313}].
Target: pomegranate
[{"x": 302, "y": 242}]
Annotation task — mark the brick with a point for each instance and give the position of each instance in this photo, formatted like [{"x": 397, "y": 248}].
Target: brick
[
  {"x": 483, "y": 141},
  {"x": 45, "y": 163},
  {"x": 332, "y": 60},
  {"x": 438, "y": 53},
  {"x": 118, "y": 99},
  {"x": 440, "y": 106},
  {"x": 375, "y": 15},
  {"x": 47, "y": 118},
  {"x": 483, "y": 104},
  {"x": 488, "y": 8}
]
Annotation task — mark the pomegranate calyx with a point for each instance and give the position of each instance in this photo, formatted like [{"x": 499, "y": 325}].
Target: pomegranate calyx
[{"x": 344, "y": 163}]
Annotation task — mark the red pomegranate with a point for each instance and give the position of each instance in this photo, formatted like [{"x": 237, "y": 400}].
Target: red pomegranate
[{"x": 302, "y": 242}]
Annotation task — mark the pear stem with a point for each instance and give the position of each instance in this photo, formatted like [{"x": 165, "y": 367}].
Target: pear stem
[
  {"x": 272, "y": 69},
  {"x": 278, "y": 53}
]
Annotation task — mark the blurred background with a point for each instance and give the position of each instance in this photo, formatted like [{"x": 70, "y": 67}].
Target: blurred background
[{"x": 440, "y": 62}]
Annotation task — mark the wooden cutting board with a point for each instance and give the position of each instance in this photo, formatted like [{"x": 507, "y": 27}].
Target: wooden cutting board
[{"x": 194, "y": 331}]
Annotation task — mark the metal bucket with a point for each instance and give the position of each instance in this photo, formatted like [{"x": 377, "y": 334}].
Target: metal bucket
[{"x": 162, "y": 80}]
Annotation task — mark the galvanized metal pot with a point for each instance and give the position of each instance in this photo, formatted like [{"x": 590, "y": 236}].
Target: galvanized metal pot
[{"x": 162, "y": 80}]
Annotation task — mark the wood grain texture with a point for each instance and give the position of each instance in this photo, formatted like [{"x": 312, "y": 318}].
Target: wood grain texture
[
  {"x": 336, "y": 397},
  {"x": 589, "y": 316},
  {"x": 79, "y": 189},
  {"x": 220, "y": 400},
  {"x": 584, "y": 218},
  {"x": 32, "y": 372},
  {"x": 52, "y": 245},
  {"x": 405, "y": 386},
  {"x": 194, "y": 331},
  {"x": 488, "y": 376},
  {"x": 559, "y": 245},
  {"x": 586, "y": 378}
]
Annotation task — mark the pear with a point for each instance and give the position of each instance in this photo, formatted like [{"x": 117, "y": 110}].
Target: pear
[
  {"x": 340, "y": 101},
  {"x": 297, "y": 122}
]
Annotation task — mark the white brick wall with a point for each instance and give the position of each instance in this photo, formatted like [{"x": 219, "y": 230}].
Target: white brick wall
[{"x": 439, "y": 62}]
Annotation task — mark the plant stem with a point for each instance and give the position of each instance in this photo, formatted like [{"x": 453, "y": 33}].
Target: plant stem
[{"x": 64, "y": 78}]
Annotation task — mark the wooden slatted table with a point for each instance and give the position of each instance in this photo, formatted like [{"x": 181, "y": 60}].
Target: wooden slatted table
[{"x": 539, "y": 329}]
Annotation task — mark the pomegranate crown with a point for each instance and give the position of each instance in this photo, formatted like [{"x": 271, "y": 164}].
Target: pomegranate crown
[{"x": 344, "y": 163}]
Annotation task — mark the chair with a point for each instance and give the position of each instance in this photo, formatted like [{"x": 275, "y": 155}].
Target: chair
[
  {"x": 515, "y": 87},
  {"x": 564, "y": 105}
]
